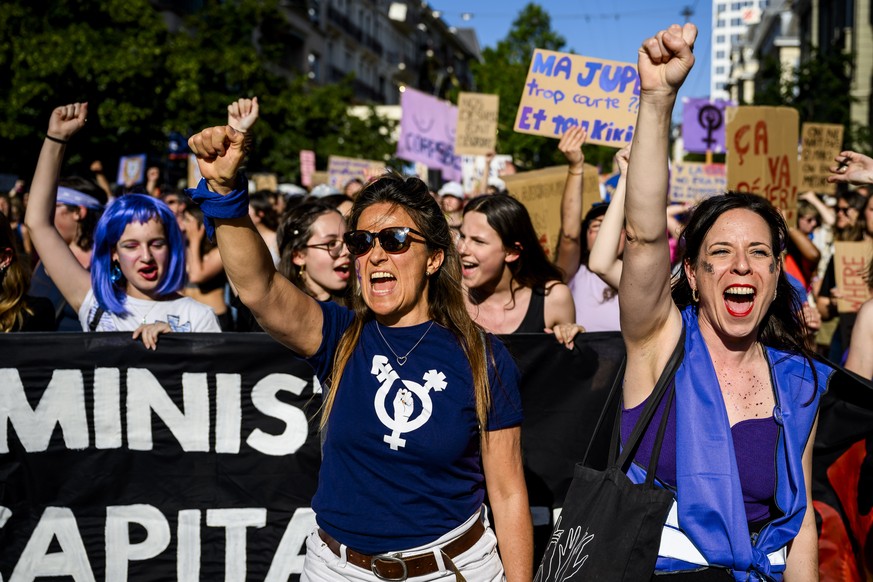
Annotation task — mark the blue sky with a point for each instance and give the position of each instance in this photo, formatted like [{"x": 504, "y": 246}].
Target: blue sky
[{"x": 606, "y": 30}]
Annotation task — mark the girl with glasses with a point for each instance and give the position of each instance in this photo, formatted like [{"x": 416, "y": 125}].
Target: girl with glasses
[{"x": 421, "y": 409}]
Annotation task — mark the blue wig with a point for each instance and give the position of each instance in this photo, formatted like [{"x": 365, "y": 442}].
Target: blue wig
[{"x": 121, "y": 212}]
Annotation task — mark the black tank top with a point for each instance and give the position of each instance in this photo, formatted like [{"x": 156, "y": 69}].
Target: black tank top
[{"x": 535, "y": 319}]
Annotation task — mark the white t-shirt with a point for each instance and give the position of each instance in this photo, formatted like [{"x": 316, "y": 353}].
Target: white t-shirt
[
  {"x": 593, "y": 312},
  {"x": 182, "y": 314}
]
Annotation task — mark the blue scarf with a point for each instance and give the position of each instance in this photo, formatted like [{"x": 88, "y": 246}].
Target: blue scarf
[
  {"x": 709, "y": 496},
  {"x": 214, "y": 205}
]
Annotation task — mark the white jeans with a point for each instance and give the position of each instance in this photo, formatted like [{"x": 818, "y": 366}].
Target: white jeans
[{"x": 478, "y": 564}]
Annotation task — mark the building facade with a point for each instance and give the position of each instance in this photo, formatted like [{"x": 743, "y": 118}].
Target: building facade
[{"x": 730, "y": 22}]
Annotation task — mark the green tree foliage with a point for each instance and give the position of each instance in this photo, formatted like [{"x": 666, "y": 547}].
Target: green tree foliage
[
  {"x": 145, "y": 73},
  {"x": 503, "y": 71}
]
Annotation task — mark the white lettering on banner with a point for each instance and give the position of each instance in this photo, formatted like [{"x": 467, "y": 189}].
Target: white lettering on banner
[
  {"x": 296, "y": 428},
  {"x": 235, "y": 522},
  {"x": 63, "y": 404},
  {"x": 120, "y": 551},
  {"x": 35, "y": 561},
  {"x": 59, "y": 523}
]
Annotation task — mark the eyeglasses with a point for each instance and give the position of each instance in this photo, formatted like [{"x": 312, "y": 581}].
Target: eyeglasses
[
  {"x": 843, "y": 209},
  {"x": 394, "y": 240},
  {"x": 333, "y": 247}
]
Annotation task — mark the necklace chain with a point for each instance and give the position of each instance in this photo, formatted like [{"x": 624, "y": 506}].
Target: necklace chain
[{"x": 402, "y": 359}]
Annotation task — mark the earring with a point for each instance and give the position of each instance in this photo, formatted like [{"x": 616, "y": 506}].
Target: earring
[
  {"x": 776, "y": 292},
  {"x": 115, "y": 273},
  {"x": 427, "y": 273},
  {"x": 695, "y": 295}
]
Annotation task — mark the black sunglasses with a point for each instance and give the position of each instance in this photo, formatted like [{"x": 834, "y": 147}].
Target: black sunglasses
[{"x": 394, "y": 240}]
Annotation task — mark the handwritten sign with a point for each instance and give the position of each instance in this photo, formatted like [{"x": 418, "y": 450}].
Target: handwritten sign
[
  {"x": 427, "y": 133},
  {"x": 266, "y": 181},
  {"x": 851, "y": 261},
  {"x": 477, "y": 123},
  {"x": 821, "y": 143},
  {"x": 564, "y": 91},
  {"x": 307, "y": 167},
  {"x": 476, "y": 174},
  {"x": 762, "y": 155},
  {"x": 131, "y": 170},
  {"x": 340, "y": 170},
  {"x": 692, "y": 181},
  {"x": 703, "y": 125},
  {"x": 540, "y": 191}
]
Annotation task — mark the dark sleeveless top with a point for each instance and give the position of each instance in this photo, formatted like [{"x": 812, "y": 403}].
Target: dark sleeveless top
[
  {"x": 535, "y": 319},
  {"x": 754, "y": 446}
]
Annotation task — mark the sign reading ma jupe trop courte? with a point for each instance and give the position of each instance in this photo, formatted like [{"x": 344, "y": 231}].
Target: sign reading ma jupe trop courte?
[{"x": 564, "y": 91}]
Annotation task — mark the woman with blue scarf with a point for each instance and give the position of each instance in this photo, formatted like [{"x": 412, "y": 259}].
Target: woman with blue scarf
[{"x": 737, "y": 451}]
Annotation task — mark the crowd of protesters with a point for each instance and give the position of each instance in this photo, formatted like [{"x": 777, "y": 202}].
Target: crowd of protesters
[{"x": 76, "y": 255}]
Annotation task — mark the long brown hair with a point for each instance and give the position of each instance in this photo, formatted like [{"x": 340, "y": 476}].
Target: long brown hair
[
  {"x": 445, "y": 292},
  {"x": 14, "y": 283}
]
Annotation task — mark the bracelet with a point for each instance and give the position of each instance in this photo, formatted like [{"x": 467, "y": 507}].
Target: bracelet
[
  {"x": 56, "y": 139},
  {"x": 579, "y": 173}
]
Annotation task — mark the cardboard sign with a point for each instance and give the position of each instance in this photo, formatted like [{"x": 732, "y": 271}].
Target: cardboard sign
[
  {"x": 266, "y": 181},
  {"x": 307, "y": 167},
  {"x": 693, "y": 181},
  {"x": 821, "y": 143},
  {"x": 540, "y": 191},
  {"x": 340, "y": 170},
  {"x": 475, "y": 180},
  {"x": 703, "y": 125},
  {"x": 477, "y": 124},
  {"x": 851, "y": 261},
  {"x": 762, "y": 155},
  {"x": 131, "y": 170},
  {"x": 564, "y": 91},
  {"x": 427, "y": 133}
]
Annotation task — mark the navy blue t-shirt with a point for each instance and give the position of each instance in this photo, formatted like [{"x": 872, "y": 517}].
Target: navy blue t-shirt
[{"x": 401, "y": 464}]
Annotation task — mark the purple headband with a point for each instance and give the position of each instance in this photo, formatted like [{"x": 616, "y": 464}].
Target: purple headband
[{"x": 76, "y": 198}]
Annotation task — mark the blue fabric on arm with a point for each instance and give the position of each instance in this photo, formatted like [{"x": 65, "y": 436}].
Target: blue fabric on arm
[{"x": 214, "y": 205}]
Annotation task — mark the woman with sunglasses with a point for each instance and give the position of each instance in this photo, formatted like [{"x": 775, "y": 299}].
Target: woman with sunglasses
[
  {"x": 311, "y": 249},
  {"x": 422, "y": 410}
]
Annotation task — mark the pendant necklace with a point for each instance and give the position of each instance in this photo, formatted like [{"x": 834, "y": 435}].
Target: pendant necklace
[{"x": 402, "y": 359}]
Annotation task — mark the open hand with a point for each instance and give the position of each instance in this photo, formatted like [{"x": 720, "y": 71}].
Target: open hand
[
  {"x": 242, "y": 114},
  {"x": 853, "y": 168}
]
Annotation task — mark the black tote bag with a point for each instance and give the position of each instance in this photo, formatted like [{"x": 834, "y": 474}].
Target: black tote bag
[{"x": 609, "y": 529}]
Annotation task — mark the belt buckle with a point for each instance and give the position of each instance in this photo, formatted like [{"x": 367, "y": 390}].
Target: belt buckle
[{"x": 391, "y": 559}]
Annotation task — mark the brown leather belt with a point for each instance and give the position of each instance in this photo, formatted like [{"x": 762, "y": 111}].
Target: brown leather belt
[{"x": 393, "y": 567}]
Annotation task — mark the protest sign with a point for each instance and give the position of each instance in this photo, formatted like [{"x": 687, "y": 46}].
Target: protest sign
[
  {"x": 703, "y": 125},
  {"x": 307, "y": 167},
  {"x": 427, "y": 133},
  {"x": 131, "y": 170},
  {"x": 693, "y": 181},
  {"x": 340, "y": 170},
  {"x": 564, "y": 91},
  {"x": 475, "y": 177},
  {"x": 820, "y": 144},
  {"x": 851, "y": 261},
  {"x": 266, "y": 181},
  {"x": 477, "y": 123},
  {"x": 762, "y": 155},
  {"x": 540, "y": 191}
]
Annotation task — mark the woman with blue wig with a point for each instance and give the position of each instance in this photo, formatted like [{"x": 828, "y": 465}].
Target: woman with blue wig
[{"x": 138, "y": 266}]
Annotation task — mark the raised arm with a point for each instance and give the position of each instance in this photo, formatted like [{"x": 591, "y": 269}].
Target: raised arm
[
  {"x": 828, "y": 216},
  {"x": 650, "y": 322},
  {"x": 71, "y": 278},
  {"x": 604, "y": 259},
  {"x": 852, "y": 168},
  {"x": 570, "y": 242},
  {"x": 285, "y": 312}
]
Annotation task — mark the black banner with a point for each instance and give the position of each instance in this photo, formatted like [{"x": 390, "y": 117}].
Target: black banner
[{"x": 198, "y": 461}]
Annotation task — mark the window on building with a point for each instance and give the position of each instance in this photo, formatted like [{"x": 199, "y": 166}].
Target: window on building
[
  {"x": 719, "y": 70},
  {"x": 720, "y": 54},
  {"x": 719, "y": 39},
  {"x": 736, "y": 21}
]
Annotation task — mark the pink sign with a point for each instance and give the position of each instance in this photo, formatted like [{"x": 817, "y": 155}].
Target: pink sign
[
  {"x": 427, "y": 133},
  {"x": 307, "y": 167}
]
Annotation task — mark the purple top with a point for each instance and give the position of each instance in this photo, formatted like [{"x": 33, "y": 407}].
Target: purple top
[{"x": 754, "y": 445}]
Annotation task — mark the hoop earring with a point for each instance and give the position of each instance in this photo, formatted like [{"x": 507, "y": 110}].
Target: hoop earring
[
  {"x": 115, "y": 274},
  {"x": 695, "y": 295}
]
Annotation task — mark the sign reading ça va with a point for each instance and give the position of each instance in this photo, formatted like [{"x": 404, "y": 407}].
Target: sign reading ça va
[{"x": 564, "y": 91}]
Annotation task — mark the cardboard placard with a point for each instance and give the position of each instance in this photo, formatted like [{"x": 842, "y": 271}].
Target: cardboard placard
[
  {"x": 540, "y": 191},
  {"x": 340, "y": 170},
  {"x": 477, "y": 124},
  {"x": 762, "y": 155},
  {"x": 131, "y": 170},
  {"x": 564, "y": 91},
  {"x": 475, "y": 180},
  {"x": 266, "y": 181},
  {"x": 851, "y": 261},
  {"x": 821, "y": 143},
  {"x": 693, "y": 181},
  {"x": 318, "y": 178}
]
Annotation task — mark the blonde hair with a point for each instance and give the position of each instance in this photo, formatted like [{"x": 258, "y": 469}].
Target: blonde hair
[{"x": 444, "y": 291}]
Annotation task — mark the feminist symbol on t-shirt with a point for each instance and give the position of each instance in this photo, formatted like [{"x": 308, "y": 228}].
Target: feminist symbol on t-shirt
[{"x": 403, "y": 404}]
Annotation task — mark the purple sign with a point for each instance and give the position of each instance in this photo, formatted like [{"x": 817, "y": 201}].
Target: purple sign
[
  {"x": 703, "y": 124},
  {"x": 427, "y": 133}
]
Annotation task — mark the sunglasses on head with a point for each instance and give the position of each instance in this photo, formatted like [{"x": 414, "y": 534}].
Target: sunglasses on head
[{"x": 394, "y": 240}]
